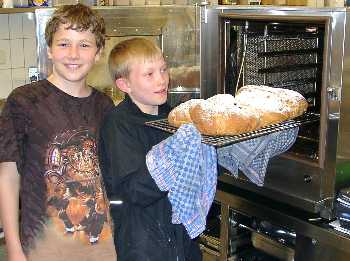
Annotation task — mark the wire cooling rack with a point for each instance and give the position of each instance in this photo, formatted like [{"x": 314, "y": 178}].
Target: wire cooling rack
[{"x": 220, "y": 141}]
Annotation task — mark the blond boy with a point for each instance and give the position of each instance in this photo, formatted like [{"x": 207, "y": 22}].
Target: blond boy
[{"x": 143, "y": 228}]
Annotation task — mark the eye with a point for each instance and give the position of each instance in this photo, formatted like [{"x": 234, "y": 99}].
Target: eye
[
  {"x": 62, "y": 44},
  {"x": 85, "y": 45}
]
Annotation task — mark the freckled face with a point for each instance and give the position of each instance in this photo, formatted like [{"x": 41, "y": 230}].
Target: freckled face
[
  {"x": 148, "y": 84},
  {"x": 73, "y": 54}
]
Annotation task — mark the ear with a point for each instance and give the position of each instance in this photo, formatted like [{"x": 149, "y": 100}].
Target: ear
[
  {"x": 98, "y": 55},
  {"x": 49, "y": 54},
  {"x": 123, "y": 84}
]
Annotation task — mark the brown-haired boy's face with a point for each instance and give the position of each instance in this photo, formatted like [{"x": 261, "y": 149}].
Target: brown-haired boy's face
[
  {"x": 73, "y": 54},
  {"x": 147, "y": 84}
]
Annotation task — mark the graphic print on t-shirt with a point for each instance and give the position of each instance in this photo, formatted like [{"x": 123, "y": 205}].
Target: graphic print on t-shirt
[{"x": 76, "y": 201}]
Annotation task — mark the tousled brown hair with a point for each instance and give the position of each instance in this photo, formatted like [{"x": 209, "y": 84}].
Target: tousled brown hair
[
  {"x": 79, "y": 18},
  {"x": 128, "y": 51}
]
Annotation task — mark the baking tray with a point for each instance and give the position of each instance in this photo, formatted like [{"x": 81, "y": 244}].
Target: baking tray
[{"x": 221, "y": 141}]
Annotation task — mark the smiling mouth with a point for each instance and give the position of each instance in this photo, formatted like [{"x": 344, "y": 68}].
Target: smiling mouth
[{"x": 72, "y": 66}]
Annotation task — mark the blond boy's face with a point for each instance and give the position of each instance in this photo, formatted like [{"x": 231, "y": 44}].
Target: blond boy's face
[
  {"x": 147, "y": 84},
  {"x": 73, "y": 54}
]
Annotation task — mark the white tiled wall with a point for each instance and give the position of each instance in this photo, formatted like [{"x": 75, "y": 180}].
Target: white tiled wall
[{"x": 17, "y": 50}]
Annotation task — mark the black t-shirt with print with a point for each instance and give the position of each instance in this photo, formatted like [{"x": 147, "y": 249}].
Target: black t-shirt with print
[{"x": 52, "y": 138}]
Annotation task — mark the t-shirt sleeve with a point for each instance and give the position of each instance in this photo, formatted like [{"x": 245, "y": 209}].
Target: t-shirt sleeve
[
  {"x": 108, "y": 105},
  {"x": 123, "y": 166},
  {"x": 12, "y": 131}
]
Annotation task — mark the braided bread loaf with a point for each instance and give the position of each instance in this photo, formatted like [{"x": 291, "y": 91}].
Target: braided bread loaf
[{"x": 252, "y": 108}]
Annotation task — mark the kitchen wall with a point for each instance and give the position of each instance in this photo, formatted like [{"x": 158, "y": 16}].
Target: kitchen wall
[{"x": 17, "y": 50}]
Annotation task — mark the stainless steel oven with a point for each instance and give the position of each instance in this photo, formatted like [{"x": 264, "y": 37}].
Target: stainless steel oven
[{"x": 303, "y": 49}]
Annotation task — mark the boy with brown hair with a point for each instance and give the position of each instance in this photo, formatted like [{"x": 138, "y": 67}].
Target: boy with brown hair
[
  {"x": 143, "y": 227},
  {"x": 48, "y": 151}
]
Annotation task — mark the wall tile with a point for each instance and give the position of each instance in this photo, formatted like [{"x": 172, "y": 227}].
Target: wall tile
[
  {"x": 30, "y": 52},
  {"x": 6, "y": 83},
  {"x": 28, "y": 25},
  {"x": 5, "y": 54},
  {"x": 18, "y": 77},
  {"x": 16, "y": 26},
  {"x": 4, "y": 28},
  {"x": 17, "y": 53}
]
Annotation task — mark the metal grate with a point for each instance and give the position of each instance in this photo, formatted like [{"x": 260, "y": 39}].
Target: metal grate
[
  {"x": 274, "y": 58},
  {"x": 221, "y": 141}
]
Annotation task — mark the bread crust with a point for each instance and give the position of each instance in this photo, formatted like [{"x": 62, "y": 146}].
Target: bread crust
[
  {"x": 180, "y": 114},
  {"x": 220, "y": 115},
  {"x": 221, "y": 124},
  {"x": 253, "y": 107}
]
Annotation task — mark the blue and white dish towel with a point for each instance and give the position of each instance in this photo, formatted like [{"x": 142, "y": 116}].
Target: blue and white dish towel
[
  {"x": 252, "y": 156},
  {"x": 187, "y": 169}
]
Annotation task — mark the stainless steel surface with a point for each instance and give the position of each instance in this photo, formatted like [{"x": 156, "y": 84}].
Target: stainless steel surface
[
  {"x": 343, "y": 145},
  {"x": 308, "y": 180},
  {"x": 273, "y": 248},
  {"x": 323, "y": 234},
  {"x": 174, "y": 28},
  {"x": 180, "y": 94}
]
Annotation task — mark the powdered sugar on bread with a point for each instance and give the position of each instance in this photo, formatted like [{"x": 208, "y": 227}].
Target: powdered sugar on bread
[
  {"x": 252, "y": 108},
  {"x": 224, "y": 103},
  {"x": 271, "y": 99},
  {"x": 260, "y": 98}
]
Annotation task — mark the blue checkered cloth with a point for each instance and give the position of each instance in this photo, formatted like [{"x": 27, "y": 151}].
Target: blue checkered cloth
[
  {"x": 187, "y": 169},
  {"x": 252, "y": 156}
]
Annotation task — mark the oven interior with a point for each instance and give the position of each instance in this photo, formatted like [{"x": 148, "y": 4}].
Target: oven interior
[{"x": 278, "y": 54}]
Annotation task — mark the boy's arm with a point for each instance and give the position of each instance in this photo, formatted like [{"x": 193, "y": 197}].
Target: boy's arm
[
  {"x": 9, "y": 209},
  {"x": 124, "y": 170}
]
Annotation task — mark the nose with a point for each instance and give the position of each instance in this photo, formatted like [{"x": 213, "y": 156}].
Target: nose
[
  {"x": 163, "y": 77},
  {"x": 74, "y": 52}
]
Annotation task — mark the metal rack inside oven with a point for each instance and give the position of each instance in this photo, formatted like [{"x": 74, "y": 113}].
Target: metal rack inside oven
[{"x": 221, "y": 141}]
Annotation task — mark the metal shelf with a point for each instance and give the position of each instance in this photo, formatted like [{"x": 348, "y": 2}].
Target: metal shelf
[{"x": 220, "y": 141}]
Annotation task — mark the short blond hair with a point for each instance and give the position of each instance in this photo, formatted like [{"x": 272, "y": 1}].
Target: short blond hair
[{"x": 128, "y": 51}]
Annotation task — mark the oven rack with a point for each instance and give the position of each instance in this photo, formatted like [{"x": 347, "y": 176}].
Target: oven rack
[{"x": 221, "y": 141}]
